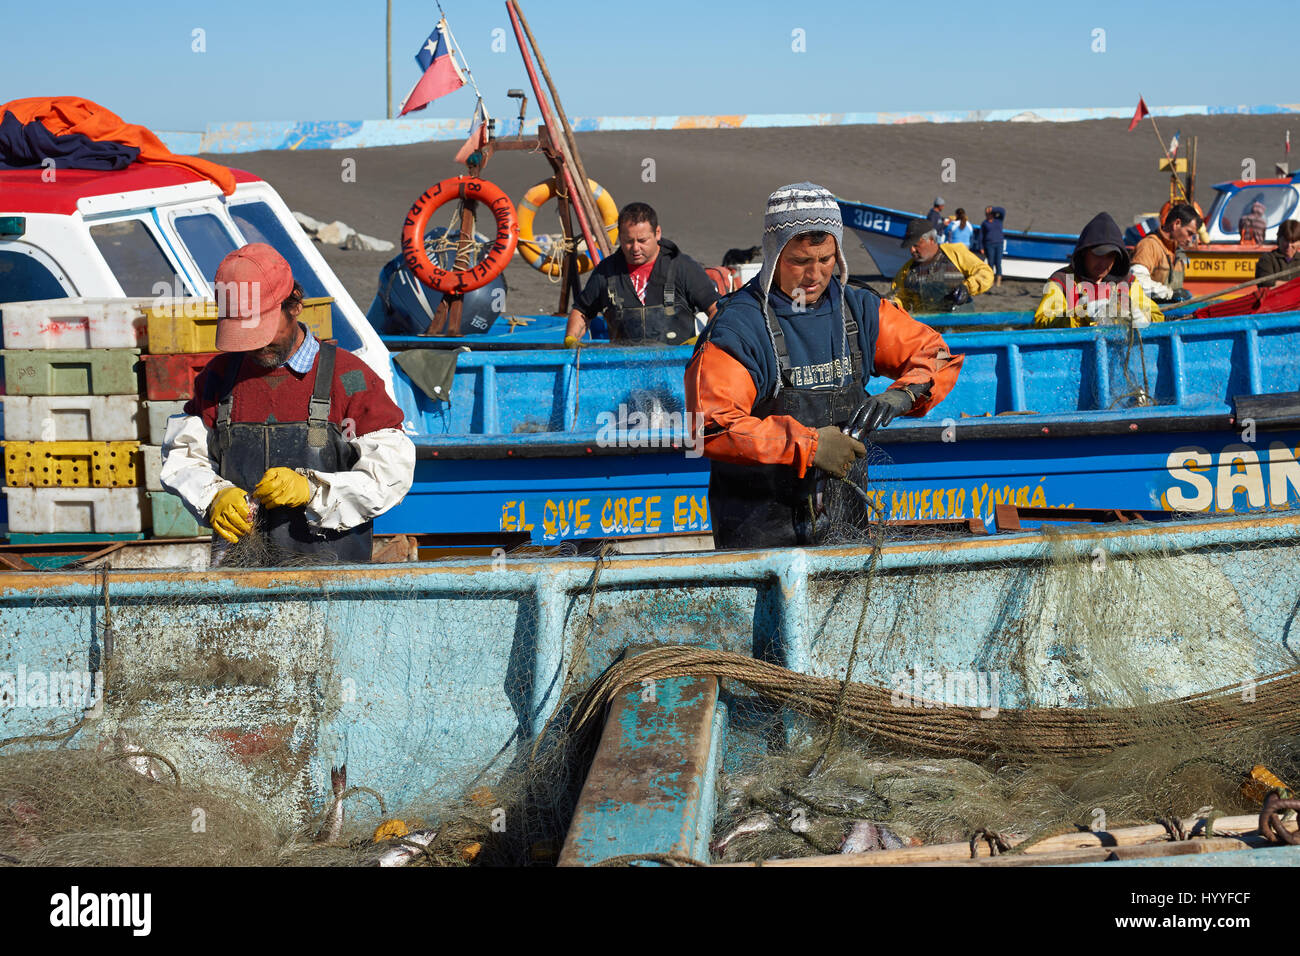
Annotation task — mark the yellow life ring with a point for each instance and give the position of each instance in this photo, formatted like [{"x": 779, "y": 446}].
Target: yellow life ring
[{"x": 542, "y": 252}]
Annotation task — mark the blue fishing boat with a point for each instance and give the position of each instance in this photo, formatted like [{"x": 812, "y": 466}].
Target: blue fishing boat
[
  {"x": 1195, "y": 416},
  {"x": 1025, "y": 255},
  {"x": 429, "y": 679}
]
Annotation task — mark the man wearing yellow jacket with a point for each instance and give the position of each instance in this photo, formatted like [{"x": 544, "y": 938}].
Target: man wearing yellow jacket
[
  {"x": 1097, "y": 287},
  {"x": 938, "y": 277}
]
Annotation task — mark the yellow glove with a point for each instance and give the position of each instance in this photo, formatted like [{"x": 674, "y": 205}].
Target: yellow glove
[
  {"x": 283, "y": 487},
  {"x": 228, "y": 515},
  {"x": 570, "y": 341}
]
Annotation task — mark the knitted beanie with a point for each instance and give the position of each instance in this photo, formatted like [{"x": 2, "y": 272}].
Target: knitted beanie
[{"x": 792, "y": 211}]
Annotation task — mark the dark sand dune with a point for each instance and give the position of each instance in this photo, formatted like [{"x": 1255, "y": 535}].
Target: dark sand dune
[{"x": 709, "y": 186}]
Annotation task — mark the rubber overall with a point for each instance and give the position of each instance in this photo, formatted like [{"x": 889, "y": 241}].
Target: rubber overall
[
  {"x": 933, "y": 281},
  {"x": 245, "y": 450},
  {"x": 770, "y": 506},
  {"x": 668, "y": 324}
]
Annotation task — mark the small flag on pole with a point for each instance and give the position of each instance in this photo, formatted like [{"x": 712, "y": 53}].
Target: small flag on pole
[
  {"x": 1288, "y": 141},
  {"x": 1173, "y": 144},
  {"x": 442, "y": 74},
  {"x": 1137, "y": 116},
  {"x": 478, "y": 134}
]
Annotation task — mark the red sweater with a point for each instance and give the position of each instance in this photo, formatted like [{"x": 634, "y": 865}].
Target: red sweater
[{"x": 259, "y": 393}]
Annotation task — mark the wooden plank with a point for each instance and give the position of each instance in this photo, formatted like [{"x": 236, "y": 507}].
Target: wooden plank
[{"x": 650, "y": 789}]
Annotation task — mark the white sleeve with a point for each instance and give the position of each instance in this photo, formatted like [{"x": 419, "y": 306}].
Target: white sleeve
[
  {"x": 186, "y": 468},
  {"x": 380, "y": 479},
  {"x": 1149, "y": 285}
]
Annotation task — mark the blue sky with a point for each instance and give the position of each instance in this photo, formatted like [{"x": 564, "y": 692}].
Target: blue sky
[{"x": 325, "y": 60}]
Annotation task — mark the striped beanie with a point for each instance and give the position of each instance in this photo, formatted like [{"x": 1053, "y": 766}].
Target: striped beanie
[{"x": 792, "y": 211}]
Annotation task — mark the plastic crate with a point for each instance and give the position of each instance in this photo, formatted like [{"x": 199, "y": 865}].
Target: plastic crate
[
  {"x": 72, "y": 371},
  {"x": 158, "y": 413},
  {"x": 151, "y": 461},
  {"x": 72, "y": 464},
  {"x": 171, "y": 377},
  {"x": 69, "y": 510},
  {"x": 82, "y": 323},
  {"x": 186, "y": 325},
  {"x": 171, "y": 519},
  {"x": 72, "y": 417}
]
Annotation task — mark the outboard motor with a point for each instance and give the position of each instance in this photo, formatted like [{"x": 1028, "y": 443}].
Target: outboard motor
[{"x": 404, "y": 305}]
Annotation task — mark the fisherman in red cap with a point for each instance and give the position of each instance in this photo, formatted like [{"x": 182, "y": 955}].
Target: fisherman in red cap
[{"x": 302, "y": 427}]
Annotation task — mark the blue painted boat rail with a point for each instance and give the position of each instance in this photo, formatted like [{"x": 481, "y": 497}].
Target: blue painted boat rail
[{"x": 1013, "y": 383}]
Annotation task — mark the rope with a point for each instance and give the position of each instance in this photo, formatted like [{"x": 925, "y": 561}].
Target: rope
[
  {"x": 132, "y": 754},
  {"x": 960, "y": 731}
]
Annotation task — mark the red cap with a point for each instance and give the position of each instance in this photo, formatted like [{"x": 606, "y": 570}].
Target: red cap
[{"x": 251, "y": 283}]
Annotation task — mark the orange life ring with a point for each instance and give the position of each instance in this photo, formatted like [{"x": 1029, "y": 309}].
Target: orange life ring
[{"x": 469, "y": 188}]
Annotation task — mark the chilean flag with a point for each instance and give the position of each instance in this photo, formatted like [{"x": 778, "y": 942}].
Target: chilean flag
[{"x": 442, "y": 74}]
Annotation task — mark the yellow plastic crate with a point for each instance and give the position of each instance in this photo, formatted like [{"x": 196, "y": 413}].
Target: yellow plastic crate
[
  {"x": 73, "y": 464},
  {"x": 189, "y": 326}
]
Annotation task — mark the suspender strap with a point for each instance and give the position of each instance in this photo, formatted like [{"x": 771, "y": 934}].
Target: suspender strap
[
  {"x": 318, "y": 409},
  {"x": 855, "y": 348},
  {"x": 226, "y": 402},
  {"x": 670, "y": 291}
]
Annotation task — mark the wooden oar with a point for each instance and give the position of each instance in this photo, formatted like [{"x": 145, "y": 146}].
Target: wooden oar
[{"x": 1285, "y": 273}]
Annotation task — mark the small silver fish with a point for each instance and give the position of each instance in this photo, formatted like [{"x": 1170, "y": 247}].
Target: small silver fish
[
  {"x": 400, "y": 853},
  {"x": 333, "y": 826},
  {"x": 754, "y": 823},
  {"x": 864, "y": 836}
]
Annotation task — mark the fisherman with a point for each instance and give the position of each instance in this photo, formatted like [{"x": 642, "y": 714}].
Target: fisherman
[
  {"x": 1285, "y": 258},
  {"x": 936, "y": 217},
  {"x": 649, "y": 290},
  {"x": 938, "y": 277},
  {"x": 1253, "y": 224},
  {"x": 990, "y": 240},
  {"x": 302, "y": 427},
  {"x": 1096, "y": 287},
  {"x": 1159, "y": 260},
  {"x": 778, "y": 377}
]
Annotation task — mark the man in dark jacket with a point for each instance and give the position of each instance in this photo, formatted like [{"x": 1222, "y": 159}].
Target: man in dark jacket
[
  {"x": 649, "y": 290},
  {"x": 1097, "y": 287},
  {"x": 991, "y": 240},
  {"x": 1285, "y": 257}
]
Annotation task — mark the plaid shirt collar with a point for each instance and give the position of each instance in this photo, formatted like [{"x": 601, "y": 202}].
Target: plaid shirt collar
[{"x": 302, "y": 360}]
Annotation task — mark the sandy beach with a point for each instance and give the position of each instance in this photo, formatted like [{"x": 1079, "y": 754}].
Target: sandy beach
[{"x": 709, "y": 186}]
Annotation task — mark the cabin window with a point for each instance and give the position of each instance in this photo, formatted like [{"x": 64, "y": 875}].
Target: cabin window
[
  {"x": 24, "y": 279},
  {"x": 1275, "y": 204},
  {"x": 206, "y": 239},
  {"x": 259, "y": 223},
  {"x": 134, "y": 257}
]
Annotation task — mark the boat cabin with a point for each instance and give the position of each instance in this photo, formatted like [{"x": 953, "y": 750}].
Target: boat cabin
[{"x": 1271, "y": 200}]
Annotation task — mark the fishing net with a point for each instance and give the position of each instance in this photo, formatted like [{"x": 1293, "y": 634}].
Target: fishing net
[{"x": 1102, "y": 681}]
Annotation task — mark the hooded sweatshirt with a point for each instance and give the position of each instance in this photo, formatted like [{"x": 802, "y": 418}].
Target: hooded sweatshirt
[{"x": 1073, "y": 298}]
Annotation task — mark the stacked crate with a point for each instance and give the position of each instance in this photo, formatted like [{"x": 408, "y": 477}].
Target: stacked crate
[
  {"x": 72, "y": 419},
  {"x": 82, "y": 435}
]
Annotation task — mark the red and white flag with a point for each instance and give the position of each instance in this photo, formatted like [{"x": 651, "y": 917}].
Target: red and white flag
[
  {"x": 442, "y": 74},
  {"x": 1137, "y": 116}
]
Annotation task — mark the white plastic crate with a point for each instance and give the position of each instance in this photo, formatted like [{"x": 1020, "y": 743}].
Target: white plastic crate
[
  {"x": 71, "y": 510},
  {"x": 159, "y": 412},
  {"x": 72, "y": 417},
  {"x": 152, "y": 457},
  {"x": 83, "y": 323}
]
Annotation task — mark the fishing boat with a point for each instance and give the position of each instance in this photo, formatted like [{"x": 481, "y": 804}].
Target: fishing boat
[
  {"x": 429, "y": 679},
  {"x": 1025, "y": 255}
]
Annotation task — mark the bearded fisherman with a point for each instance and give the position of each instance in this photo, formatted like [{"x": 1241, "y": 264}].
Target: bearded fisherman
[{"x": 778, "y": 377}]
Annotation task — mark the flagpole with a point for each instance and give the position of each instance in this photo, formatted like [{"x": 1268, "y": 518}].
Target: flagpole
[
  {"x": 389, "y": 58},
  {"x": 1165, "y": 149},
  {"x": 464, "y": 62}
]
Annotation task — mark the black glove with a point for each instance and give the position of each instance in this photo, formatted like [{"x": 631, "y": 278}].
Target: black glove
[
  {"x": 878, "y": 411},
  {"x": 1181, "y": 295},
  {"x": 958, "y": 296}
]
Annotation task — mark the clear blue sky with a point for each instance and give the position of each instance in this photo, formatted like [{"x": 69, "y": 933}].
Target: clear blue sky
[{"x": 324, "y": 60}]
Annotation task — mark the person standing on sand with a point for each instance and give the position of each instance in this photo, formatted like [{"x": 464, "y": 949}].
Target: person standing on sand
[
  {"x": 778, "y": 377},
  {"x": 649, "y": 290},
  {"x": 960, "y": 230},
  {"x": 937, "y": 219},
  {"x": 991, "y": 240},
  {"x": 1096, "y": 288},
  {"x": 938, "y": 278}
]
